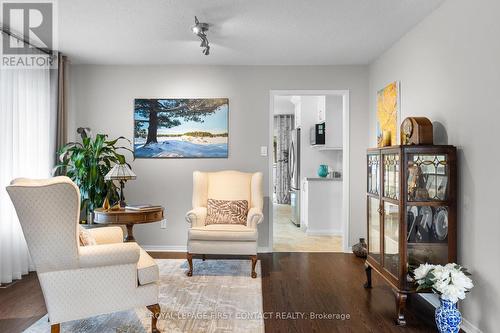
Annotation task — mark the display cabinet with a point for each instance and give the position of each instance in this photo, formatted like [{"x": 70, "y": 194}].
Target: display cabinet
[{"x": 411, "y": 213}]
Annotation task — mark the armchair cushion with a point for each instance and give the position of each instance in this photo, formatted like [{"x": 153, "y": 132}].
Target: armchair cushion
[
  {"x": 109, "y": 254},
  {"x": 223, "y": 232},
  {"x": 107, "y": 235},
  {"x": 147, "y": 269},
  {"x": 227, "y": 212}
]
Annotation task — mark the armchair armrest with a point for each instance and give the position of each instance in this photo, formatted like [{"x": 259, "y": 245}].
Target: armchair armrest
[
  {"x": 254, "y": 217},
  {"x": 109, "y": 254},
  {"x": 107, "y": 235},
  {"x": 196, "y": 217}
]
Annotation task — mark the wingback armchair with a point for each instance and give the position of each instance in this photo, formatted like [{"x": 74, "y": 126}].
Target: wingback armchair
[
  {"x": 224, "y": 239},
  {"x": 80, "y": 281}
]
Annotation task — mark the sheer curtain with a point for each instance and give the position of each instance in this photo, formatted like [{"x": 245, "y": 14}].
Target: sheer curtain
[
  {"x": 283, "y": 125},
  {"x": 27, "y": 149}
]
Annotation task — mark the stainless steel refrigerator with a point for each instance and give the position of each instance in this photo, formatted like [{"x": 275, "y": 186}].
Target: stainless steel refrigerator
[{"x": 294, "y": 172}]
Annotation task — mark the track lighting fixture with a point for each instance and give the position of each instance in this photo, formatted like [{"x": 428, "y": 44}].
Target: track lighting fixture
[{"x": 200, "y": 30}]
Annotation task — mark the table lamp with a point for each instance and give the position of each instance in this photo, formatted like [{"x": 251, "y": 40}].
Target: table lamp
[{"x": 122, "y": 173}]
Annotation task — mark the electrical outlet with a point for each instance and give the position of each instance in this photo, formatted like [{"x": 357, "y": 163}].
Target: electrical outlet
[
  {"x": 263, "y": 151},
  {"x": 163, "y": 224}
]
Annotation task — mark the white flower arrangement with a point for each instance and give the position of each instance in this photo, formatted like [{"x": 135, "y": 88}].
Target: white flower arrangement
[{"x": 451, "y": 281}]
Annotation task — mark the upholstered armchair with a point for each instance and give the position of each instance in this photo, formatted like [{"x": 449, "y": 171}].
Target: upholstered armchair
[
  {"x": 224, "y": 239},
  {"x": 80, "y": 281}
]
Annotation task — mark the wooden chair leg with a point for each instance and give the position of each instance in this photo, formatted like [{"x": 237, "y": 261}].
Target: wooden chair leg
[
  {"x": 189, "y": 258},
  {"x": 56, "y": 328},
  {"x": 155, "y": 309},
  {"x": 254, "y": 262}
]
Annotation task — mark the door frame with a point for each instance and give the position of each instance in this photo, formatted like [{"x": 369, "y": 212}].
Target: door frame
[{"x": 345, "y": 157}]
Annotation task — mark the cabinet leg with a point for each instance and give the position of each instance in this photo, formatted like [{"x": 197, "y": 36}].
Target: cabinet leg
[
  {"x": 368, "y": 271},
  {"x": 203, "y": 257},
  {"x": 400, "y": 308},
  {"x": 189, "y": 258}
]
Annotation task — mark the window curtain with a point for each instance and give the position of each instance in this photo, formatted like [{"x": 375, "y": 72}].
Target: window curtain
[
  {"x": 27, "y": 149},
  {"x": 283, "y": 125}
]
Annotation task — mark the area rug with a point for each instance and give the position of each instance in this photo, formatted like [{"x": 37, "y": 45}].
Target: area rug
[{"x": 219, "y": 297}]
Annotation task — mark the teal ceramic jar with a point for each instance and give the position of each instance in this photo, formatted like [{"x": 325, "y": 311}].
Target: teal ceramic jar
[{"x": 323, "y": 170}]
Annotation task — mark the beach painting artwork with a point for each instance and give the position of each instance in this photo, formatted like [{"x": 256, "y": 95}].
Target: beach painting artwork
[{"x": 181, "y": 128}]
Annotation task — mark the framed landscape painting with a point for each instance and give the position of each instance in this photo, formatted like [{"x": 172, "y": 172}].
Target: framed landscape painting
[{"x": 181, "y": 128}]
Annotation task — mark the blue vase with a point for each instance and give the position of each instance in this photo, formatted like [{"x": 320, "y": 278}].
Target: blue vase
[
  {"x": 323, "y": 171},
  {"x": 448, "y": 318}
]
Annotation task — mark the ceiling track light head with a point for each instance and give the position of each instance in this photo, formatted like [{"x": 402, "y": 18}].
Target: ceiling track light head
[{"x": 200, "y": 29}]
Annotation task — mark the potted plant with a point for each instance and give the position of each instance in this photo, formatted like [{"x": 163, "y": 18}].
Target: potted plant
[
  {"x": 86, "y": 164},
  {"x": 450, "y": 282}
]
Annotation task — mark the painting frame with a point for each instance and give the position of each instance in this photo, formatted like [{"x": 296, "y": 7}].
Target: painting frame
[
  {"x": 395, "y": 122},
  {"x": 176, "y": 156}
]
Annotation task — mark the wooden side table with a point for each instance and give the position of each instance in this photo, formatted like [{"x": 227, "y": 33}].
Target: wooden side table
[{"x": 128, "y": 218}]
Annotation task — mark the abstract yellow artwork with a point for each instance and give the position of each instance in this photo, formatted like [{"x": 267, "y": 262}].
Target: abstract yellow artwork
[{"x": 388, "y": 112}]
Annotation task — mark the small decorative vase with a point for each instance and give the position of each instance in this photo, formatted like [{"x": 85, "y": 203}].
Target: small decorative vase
[
  {"x": 106, "y": 205},
  {"x": 448, "y": 318},
  {"x": 90, "y": 217},
  {"x": 360, "y": 249},
  {"x": 323, "y": 170}
]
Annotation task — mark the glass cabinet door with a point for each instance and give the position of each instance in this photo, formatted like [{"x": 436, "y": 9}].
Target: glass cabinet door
[
  {"x": 427, "y": 235},
  {"x": 374, "y": 228},
  {"x": 427, "y": 177},
  {"x": 374, "y": 174},
  {"x": 391, "y": 176},
  {"x": 391, "y": 238}
]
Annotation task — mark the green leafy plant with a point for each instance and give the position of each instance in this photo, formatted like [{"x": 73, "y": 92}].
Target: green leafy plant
[{"x": 87, "y": 164}]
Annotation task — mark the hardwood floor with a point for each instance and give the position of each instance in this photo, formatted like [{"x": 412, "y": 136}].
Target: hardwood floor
[{"x": 293, "y": 285}]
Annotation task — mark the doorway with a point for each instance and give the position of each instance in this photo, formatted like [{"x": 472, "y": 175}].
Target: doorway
[{"x": 299, "y": 221}]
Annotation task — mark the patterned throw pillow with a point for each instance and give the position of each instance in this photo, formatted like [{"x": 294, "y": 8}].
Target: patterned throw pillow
[
  {"x": 227, "y": 212},
  {"x": 86, "y": 238}
]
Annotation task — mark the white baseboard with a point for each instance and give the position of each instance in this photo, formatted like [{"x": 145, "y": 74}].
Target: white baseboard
[
  {"x": 324, "y": 232},
  {"x": 264, "y": 249},
  {"x": 180, "y": 248},
  {"x": 468, "y": 327}
]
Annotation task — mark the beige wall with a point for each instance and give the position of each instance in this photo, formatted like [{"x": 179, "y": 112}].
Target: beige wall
[
  {"x": 449, "y": 68},
  {"x": 102, "y": 98}
]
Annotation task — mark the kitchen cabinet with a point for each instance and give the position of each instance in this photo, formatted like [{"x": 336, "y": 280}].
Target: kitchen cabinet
[
  {"x": 322, "y": 206},
  {"x": 296, "y": 100}
]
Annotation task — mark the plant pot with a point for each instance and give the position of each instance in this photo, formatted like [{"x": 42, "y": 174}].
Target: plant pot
[
  {"x": 448, "y": 318},
  {"x": 360, "y": 249}
]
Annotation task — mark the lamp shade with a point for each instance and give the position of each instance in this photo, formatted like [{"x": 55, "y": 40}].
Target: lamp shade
[{"x": 120, "y": 172}]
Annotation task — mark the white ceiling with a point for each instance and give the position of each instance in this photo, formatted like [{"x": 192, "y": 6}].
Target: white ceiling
[{"x": 242, "y": 32}]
